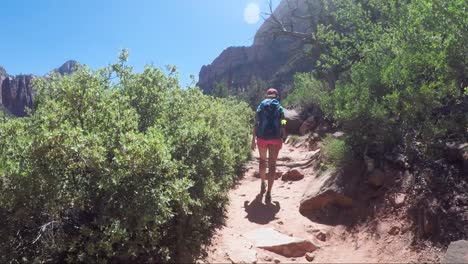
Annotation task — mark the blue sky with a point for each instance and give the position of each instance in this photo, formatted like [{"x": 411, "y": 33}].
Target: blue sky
[{"x": 39, "y": 36}]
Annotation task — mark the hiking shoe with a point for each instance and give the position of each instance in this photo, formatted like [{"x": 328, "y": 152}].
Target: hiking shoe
[
  {"x": 263, "y": 187},
  {"x": 268, "y": 198}
]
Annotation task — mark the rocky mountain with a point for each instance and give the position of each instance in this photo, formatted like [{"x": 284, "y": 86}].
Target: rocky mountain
[
  {"x": 16, "y": 93},
  {"x": 67, "y": 68},
  {"x": 2, "y": 72},
  {"x": 273, "y": 57}
]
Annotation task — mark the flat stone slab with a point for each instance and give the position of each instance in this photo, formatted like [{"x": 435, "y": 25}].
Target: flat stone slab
[
  {"x": 242, "y": 251},
  {"x": 274, "y": 241},
  {"x": 457, "y": 252}
]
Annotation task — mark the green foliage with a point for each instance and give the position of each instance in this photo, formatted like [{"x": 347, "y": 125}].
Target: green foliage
[
  {"x": 335, "y": 151},
  {"x": 399, "y": 68},
  {"x": 308, "y": 91},
  {"x": 254, "y": 92},
  {"x": 115, "y": 166},
  {"x": 220, "y": 89}
]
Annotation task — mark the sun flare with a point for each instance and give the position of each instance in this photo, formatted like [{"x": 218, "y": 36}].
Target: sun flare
[{"x": 251, "y": 13}]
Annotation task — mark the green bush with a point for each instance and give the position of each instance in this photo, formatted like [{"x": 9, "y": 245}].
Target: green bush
[
  {"x": 115, "y": 166},
  {"x": 308, "y": 91},
  {"x": 335, "y": 152},
  {"x": 252, "y": 94}
]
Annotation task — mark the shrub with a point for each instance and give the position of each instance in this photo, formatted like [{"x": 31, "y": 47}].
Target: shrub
[
  {"x": 335, "y": 152},
  {"x": 115, "y": 166},
  {"x": 307, "y": 92}
]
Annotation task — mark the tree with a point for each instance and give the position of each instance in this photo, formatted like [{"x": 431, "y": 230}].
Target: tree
[
  {"x": 394, "y": 71},
  {"x": 220, "y": 89}
]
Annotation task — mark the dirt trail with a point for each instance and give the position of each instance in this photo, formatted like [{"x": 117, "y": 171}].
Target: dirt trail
[{"x": 247, "y": 212}]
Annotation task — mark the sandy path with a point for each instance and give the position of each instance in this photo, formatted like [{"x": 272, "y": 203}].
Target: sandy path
[{"x": 247, "y": 211}]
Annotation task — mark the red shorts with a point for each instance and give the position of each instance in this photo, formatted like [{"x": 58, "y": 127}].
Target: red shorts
[{"x": 263, "y": 143}]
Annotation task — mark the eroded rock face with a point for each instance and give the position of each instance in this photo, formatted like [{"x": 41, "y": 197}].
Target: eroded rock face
[
  {"x": 16, "y": 93},
  {"x": 272, "y": 58},
  {"x": 294, "y": 121},
  {"x": 333, "y": 188},
  {"x": 237, "y": 65},
  {"x": 3, "y": 76},
  {"x": 326, "y": 190},
  {"x": 309, "y": 125}
]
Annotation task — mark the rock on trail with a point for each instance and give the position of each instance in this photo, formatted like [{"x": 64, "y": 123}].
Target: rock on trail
[{"x": 272, "y": 240}]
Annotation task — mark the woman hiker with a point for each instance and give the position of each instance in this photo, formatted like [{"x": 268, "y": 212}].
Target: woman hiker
[{"x": 269, "y": 132}]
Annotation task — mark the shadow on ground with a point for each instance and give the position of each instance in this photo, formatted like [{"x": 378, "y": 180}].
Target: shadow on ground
[{"x": 259, "y": 212}]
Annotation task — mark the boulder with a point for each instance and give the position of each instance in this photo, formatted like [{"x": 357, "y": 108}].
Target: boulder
[
  {"x": 294, "y": 121},
  {"x": 307, "y": 126},
  {"x": 376, "y": 178},
  {"x": 293, "y": 175},
  {"x": 274, "y": 241},
  {"x": 457, "y": 252},
  {"x": 323, "y": 191}
]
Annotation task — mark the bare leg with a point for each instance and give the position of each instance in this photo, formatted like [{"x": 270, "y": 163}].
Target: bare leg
[
  {"x": 273, "y": 151},
  {"x": 263, "y": 163}
]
